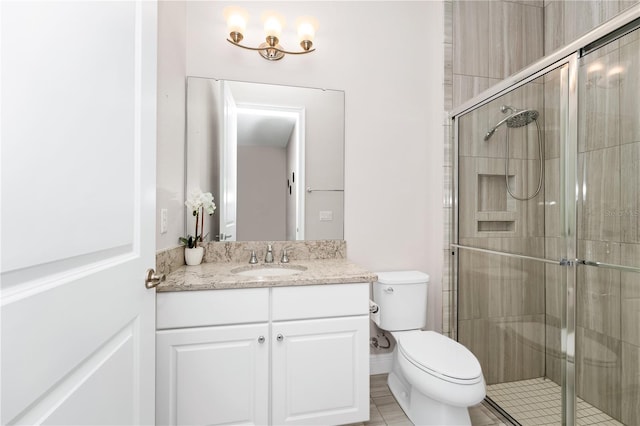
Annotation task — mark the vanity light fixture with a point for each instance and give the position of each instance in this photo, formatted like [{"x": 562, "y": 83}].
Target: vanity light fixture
[{"x": 271, "y": 50}]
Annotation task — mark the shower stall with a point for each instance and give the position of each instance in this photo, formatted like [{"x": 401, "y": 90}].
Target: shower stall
[{"x": 546, "y": 233}]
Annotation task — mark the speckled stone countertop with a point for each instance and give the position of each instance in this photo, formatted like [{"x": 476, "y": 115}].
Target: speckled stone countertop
[{"x": 216, "y": 276}]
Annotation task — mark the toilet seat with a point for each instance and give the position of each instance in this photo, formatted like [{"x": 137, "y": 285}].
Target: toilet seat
[{"x": 440, "y": 356}]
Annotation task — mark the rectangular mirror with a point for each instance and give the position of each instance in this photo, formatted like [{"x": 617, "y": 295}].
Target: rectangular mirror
[{"x": 272, "y": 156}]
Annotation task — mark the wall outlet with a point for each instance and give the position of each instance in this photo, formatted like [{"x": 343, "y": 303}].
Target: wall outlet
[
  {"x": 163, "y": 221},
  {"x": 326, "y": 216}
]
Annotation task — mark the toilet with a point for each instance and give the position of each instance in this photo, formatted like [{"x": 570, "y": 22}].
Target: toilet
[{"x": 434, "y": 378}]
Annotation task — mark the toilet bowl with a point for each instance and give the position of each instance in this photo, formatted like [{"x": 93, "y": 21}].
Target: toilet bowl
[
  {"x": 434, "y": 378},
  {"x": 441, "y": 378}
]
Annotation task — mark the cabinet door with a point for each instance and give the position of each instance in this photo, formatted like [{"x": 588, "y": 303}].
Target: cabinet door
[
  {"x": 320, "y": 371},
  {"x": 213, "y": 375}
]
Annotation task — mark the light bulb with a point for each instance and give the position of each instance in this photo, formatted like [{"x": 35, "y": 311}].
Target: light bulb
[
  {"x": 236, "y": 18},
  {"x": 273, "y": 24},
  {"x": 307, "y": 27}
]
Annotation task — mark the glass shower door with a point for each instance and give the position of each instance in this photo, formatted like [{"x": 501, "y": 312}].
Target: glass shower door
[
  {"x": 510, "y": 240},
  {"x": 608, "y": 246}
]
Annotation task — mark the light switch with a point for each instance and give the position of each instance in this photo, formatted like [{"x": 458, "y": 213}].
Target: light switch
[
  {"x": 326, "y": 215},
  {"x": 163, "y": 221}
]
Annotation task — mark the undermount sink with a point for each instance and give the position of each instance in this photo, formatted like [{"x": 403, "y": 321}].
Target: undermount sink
[{"x": 269, "y": 270}]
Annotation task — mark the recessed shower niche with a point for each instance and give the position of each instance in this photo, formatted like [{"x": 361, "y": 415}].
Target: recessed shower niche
[
  {"x": 492, "y": 194},
  {"x": 496, "y": 225},
  {"x": 489, "y": 210},
  {"x": 495, "y": 208}
]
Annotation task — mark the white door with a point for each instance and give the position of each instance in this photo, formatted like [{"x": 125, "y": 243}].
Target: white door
[
  {"x": 213, "y": 375},
  {"x": 228, "y": 166},
  {"x": 78, "y": 82},
  {"x": 320, "y": 371}
]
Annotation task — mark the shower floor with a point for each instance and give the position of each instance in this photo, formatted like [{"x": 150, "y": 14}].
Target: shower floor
[{"x": 538, "y": 402}]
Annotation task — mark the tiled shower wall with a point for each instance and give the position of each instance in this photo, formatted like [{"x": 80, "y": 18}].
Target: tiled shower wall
[{"x": 486, "y": 41}]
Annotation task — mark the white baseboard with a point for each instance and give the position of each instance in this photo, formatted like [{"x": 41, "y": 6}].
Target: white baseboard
[{"x": 380, "y": 363}]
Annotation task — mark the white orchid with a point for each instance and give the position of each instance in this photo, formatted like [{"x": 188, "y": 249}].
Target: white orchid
[
  {"x": 200, "y": 200},
  {"x": 197, "y": 202},
  {"x": 207, "y": 202}
]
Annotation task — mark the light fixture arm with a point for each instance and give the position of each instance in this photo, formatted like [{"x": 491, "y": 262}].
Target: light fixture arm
[{"x": 277, "y": 49}]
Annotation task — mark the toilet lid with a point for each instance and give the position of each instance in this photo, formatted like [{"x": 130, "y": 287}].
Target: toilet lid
[
  {"x": 402, "y": 277},
  {"x": 438, "y": 354}
]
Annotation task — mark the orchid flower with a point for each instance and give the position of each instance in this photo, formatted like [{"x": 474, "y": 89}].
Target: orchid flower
[{"x": 197, "y": 202}]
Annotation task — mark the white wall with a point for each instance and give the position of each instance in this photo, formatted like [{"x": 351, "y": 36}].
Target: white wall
[
  {"x": 388, "y": 58},
  {"x": 202, "y": 127},
  {"x": 171, "y": 121}
]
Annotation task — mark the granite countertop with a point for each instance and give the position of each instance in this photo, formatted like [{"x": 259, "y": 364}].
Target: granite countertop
[{"x": 219, "y": 275}]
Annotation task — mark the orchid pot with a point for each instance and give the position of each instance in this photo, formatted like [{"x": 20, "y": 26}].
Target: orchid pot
[{"x": 193, "y": 256}]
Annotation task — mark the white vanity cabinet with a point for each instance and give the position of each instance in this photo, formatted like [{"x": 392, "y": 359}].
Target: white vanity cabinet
[
  {"x": 213, "y": 375},
  {"x": 312, "y": 367},
  {"x": 212, "y": 357},
  {"x": 320, "y": 354}
]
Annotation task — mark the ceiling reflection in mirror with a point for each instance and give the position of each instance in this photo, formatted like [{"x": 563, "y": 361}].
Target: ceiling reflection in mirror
[{"x": 271, "y": 155}]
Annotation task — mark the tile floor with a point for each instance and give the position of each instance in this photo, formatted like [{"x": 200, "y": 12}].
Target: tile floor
[
  {"x": 530, "y": 402},
  {"x": 538, "y": 402},
  {"x": 384, "y": 410}
]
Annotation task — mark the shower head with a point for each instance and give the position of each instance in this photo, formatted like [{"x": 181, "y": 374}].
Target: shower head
[
  {"x": 518, "y": 118},
  {"x": 522, "y": 118}
]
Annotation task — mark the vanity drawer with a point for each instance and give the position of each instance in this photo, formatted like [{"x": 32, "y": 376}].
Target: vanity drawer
[
  {"x": 181, "y": 309},
  {"x": 320, "y": 301}
]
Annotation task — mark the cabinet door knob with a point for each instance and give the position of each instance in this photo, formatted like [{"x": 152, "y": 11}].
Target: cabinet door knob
[
  {"x": 261, "y": 339},
  {"x": 280, "y": 337}
]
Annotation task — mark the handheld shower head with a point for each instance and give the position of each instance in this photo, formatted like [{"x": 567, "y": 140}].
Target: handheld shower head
[{"x": 490, "y": 133}]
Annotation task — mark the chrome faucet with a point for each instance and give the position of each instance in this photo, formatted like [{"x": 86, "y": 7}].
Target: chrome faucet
[
  {"x": 254, "y": 259},
  {"x": 269, "y": 256},
  {"x": 285, "y": 255}
]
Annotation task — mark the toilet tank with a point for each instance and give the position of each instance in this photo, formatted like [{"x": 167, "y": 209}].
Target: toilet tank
[{"x": 402, "y": 298}]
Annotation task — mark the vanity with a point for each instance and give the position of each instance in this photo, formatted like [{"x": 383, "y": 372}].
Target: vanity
[
  {"x": 236, "y": 344},
  {"x": 276, "y": 343}
]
